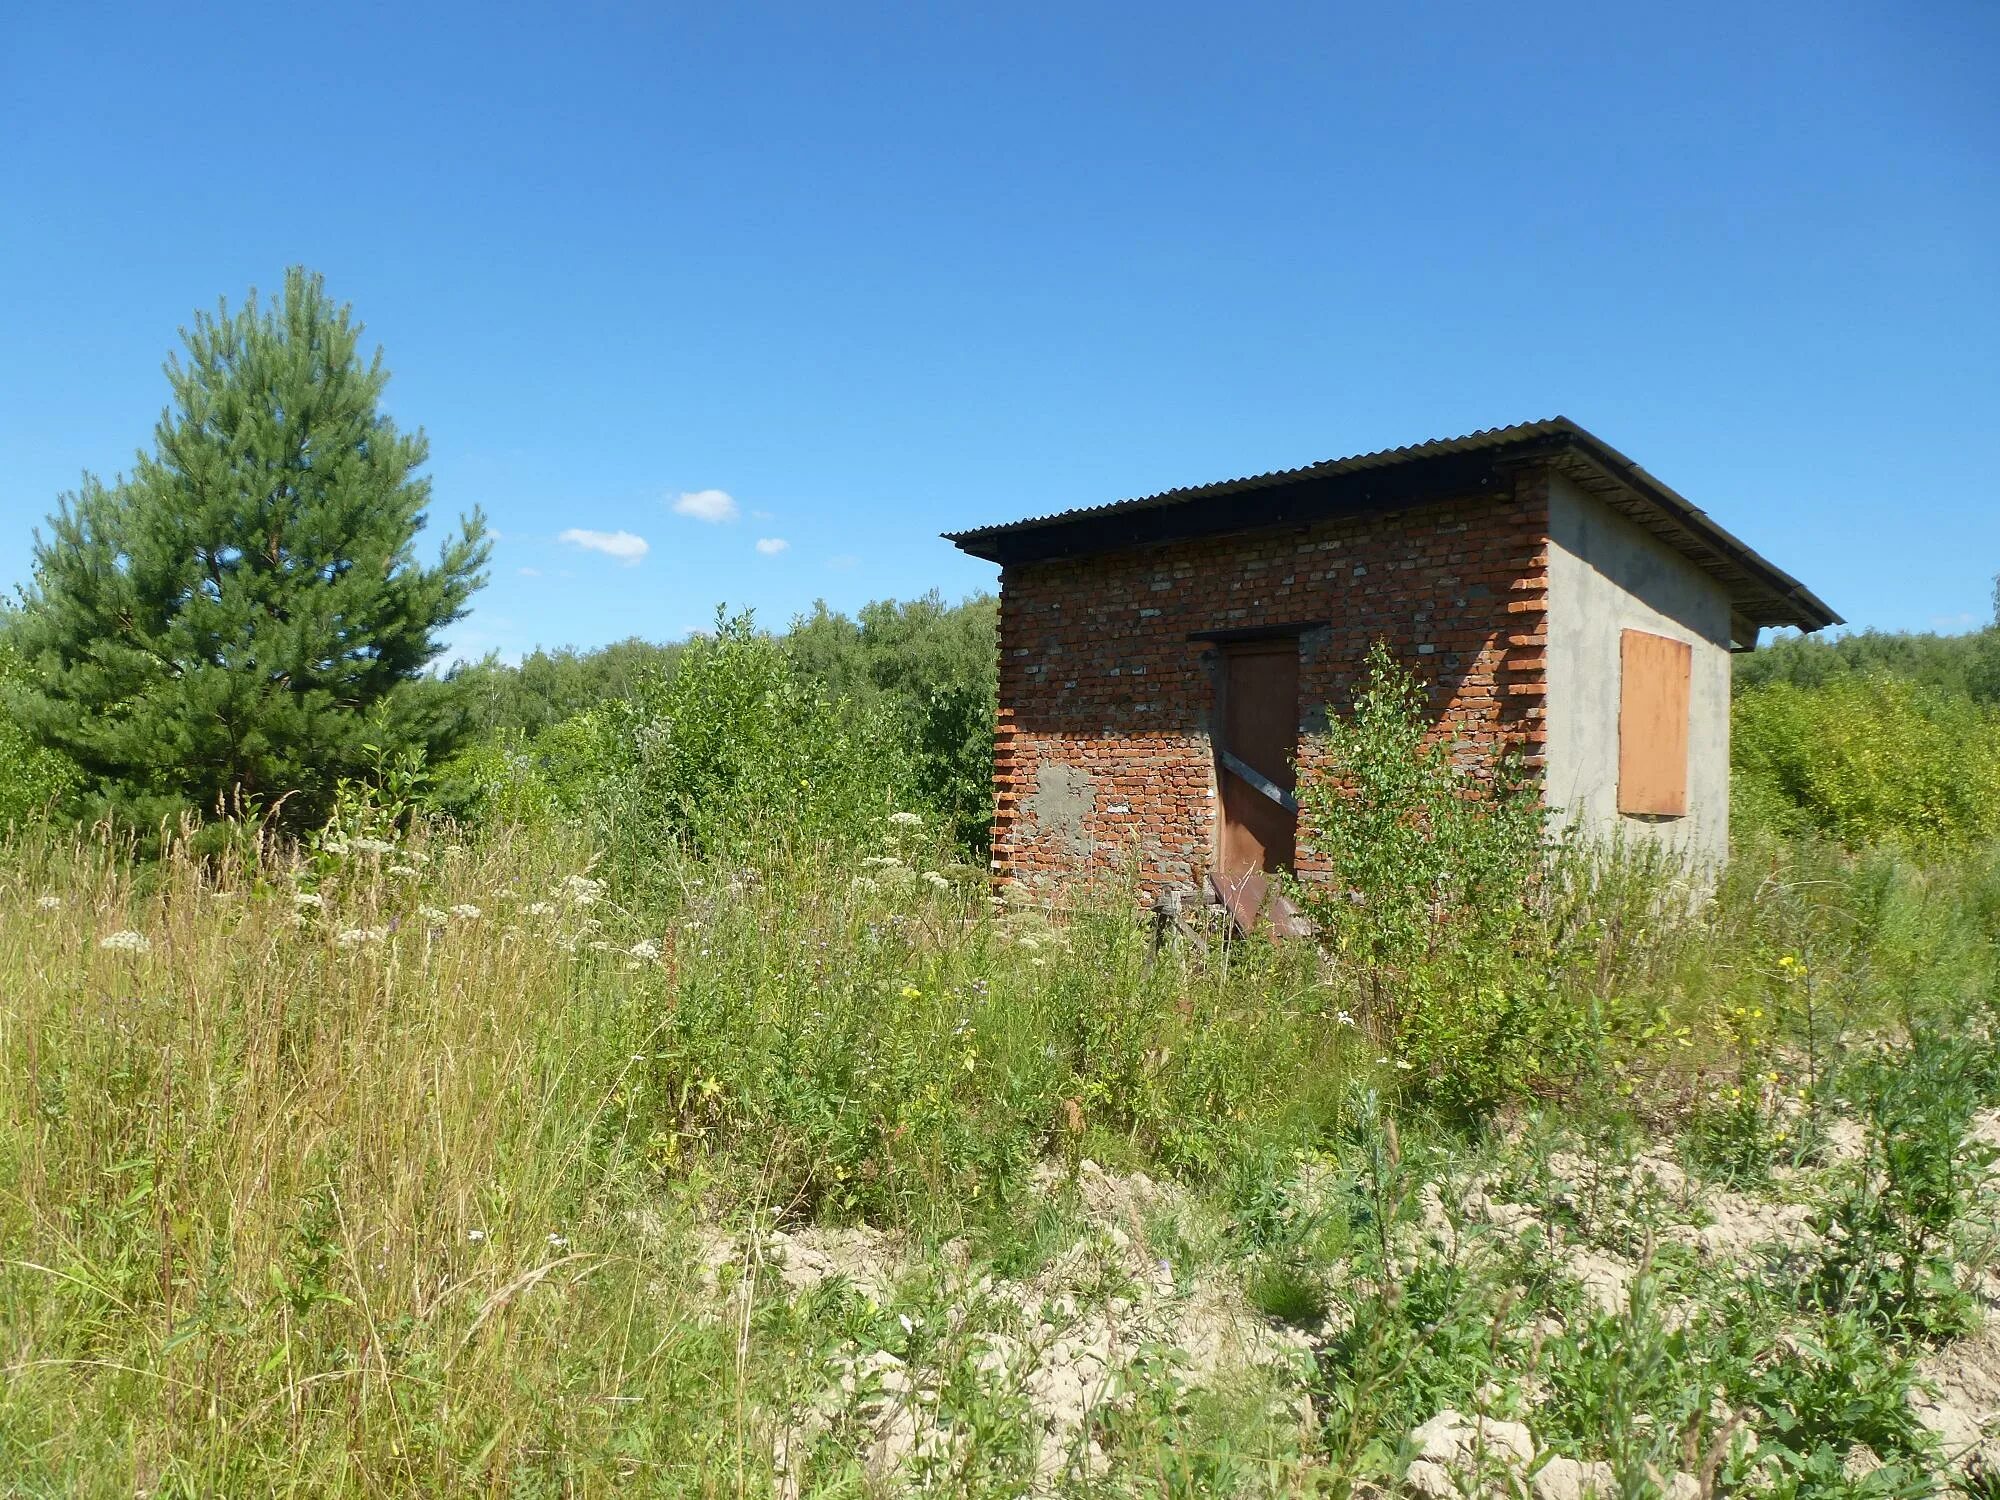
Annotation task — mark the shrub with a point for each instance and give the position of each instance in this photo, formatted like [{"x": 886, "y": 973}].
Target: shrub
[
  {"x": 953, "y": 750},
  {"x": 493, "y": 781},
  {"x": 1867, "y": 760},
  {"x": 931, "y": 669},
  {"x": 728, "y": 748},
  {"x": 1439, "y": 867},
  {"x": 33, "y": 779},
  {"x": 734, "y": 743}
]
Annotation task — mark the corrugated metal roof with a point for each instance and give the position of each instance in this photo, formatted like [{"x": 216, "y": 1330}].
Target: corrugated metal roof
[
  {"x": 1764, "y": 593},
  {"x": 1471, "y": 442}
]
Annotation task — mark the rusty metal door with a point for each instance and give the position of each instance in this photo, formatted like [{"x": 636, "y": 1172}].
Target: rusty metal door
[{"x": 1258, "y": 715}]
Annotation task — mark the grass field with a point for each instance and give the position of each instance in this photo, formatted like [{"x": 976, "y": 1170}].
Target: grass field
[{"x": 429, "y": 1164}]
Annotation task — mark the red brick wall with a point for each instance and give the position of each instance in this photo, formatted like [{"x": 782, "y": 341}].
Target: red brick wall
[{"x": 1102, "y": 758}]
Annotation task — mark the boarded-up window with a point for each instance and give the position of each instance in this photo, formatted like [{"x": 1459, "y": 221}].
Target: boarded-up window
[{"x": 1653, "y": 725}]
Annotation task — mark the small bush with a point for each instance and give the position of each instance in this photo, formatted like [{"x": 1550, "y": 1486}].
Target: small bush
[
  {"x": 735, "y": 744},
  {"x": 733, "y": 754},
  {"x": 1436, "y": 902},
  {"x": 34, "y": 780},
  {"x": 1892, "y": 1257}
]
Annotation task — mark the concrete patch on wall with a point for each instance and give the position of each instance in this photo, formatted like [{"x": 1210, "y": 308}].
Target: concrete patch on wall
[{"x": 1063, "y": 799}]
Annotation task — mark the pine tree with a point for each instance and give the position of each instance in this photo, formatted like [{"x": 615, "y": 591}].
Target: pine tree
[{"x": 240, "y": 622}]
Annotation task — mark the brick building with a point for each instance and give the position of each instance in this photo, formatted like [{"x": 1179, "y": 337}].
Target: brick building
[{"x": 1165, "y": 661}]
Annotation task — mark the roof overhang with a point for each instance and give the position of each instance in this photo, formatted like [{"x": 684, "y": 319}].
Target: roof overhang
[{"x": 1761, "y": 594}]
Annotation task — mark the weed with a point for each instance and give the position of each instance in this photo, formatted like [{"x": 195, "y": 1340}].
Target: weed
[{"x": 1890, "y": 1228}]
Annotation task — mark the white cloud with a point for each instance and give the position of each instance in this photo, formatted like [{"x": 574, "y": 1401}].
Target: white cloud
[
  {"x": 1952, "y": 624},
  {"x": 713, "y": 506},
  {"x": 771, "y": 546},
  {"x": 622, "y": 545},
  {"x": 529, "y": 572}
]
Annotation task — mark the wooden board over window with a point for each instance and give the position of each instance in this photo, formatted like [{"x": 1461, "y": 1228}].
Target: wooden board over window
[{"x": 1653, "y": 725}]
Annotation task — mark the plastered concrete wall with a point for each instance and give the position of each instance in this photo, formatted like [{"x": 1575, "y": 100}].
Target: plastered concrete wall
[
  {"x": 1608, "y": 575},
  {"x": 1103, "y": 757}
]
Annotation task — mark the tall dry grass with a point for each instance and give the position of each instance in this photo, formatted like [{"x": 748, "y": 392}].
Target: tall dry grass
[
  {"x": 309, "y": 1194},
  {"x": 376, "y": 1168}
]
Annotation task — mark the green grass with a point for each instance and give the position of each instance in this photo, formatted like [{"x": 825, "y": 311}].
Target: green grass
[{"x": 355, "y": 1195}]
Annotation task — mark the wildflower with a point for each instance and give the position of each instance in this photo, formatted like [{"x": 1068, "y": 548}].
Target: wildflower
[
  {"x": 645, "y": 948},
  {"x": 126, "y": 942},
  {"x": 307, "y": 898},
  {"x": 558, "y": 1241},
  {"x": 477, "y": 1236},
  {"x": 933, "y": 878},
  {"x": 354, "y": 937},
  {"x": 1344, "y": 1019},
  {"x": 540, "y": 908},
  {"x": 48, "y": 903},
  {"x": 467, "y": 912},
  {"x": 883, "y": 862},
  {"x": 911, "y": 992},
  {"x": 403, "y": 872},
  {"x": 581, "y": 890},
  {"x": 372, "y": 846},
  {"x": 905, "y": 820},
  {"x": 432, "y": 914}
]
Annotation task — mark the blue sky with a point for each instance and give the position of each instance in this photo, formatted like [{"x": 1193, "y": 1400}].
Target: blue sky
[{"x": 876, "y": 273}]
